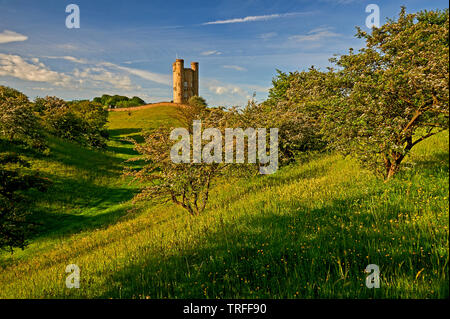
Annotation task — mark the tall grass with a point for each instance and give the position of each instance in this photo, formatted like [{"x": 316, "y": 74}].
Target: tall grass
[{"x": 307, "y": 231}]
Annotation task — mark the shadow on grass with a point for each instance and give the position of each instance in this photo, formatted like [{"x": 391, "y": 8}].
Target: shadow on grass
[
  {"x": 264, "y": 256},
  {"x": 434, "y": 166},
  {"x": 115, "y": 133},
  {"x": 302, "y": 253},
  {"x": 91, "y": 206},
  {"x": 263, "y": 181}
]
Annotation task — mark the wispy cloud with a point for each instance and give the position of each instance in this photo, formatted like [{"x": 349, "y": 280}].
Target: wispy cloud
[
  {"x": 235, "y": 67},
  {"x": 10, "y": 36},
  {"x": 146, "y": 75},
  {"x": 315, "y": 35},
  {"x": 68, "y": 58},
  {"x": 211, "y": 52},
  {"x": 255, "y": 18},
  {"x": 268, "y": 35}
]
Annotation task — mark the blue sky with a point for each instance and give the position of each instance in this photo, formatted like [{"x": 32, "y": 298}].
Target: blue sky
[{"x": 127, "y": 47}]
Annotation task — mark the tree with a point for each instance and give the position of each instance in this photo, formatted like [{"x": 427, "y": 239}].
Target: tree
[
  {"x": 185, "y": 184},
  {"x": 80, "y": 121},
  {"x": 118, "y": 101},
  {"x": 95, "y": 119},
  {"x": 299, "y": 110},
  {"x": 197, "y": 101},
  {"x": 295, "y": 106},
  {"x": 280, "y": 85},
  {"x": 195, "y": 109},
  {"x": 18, "y": 119},
  {"x": 14, "y": 226},
  {"x": 393, "y": 94}
]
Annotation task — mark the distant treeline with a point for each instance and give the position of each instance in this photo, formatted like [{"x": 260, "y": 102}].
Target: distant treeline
[{"x": 119, "y": 101}]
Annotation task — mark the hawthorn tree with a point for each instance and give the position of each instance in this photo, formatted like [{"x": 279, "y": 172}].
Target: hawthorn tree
[
  {"x": 295, "y": 107},
  {"x": 393, "y": 93},
  {"x": 185, "y": 184},
  {"x": 18, "y": 120}
]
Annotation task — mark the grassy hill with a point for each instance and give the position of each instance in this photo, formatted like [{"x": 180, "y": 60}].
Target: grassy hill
[{"x": 307, "y": 231}]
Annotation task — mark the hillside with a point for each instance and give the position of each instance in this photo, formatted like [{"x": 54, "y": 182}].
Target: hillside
[{"x": 307, "y": 231}]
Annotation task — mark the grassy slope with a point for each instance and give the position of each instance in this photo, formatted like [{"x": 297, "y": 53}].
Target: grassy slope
[{"x": 307, "y": 231}]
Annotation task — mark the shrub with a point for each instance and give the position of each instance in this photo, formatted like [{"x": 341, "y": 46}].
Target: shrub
[
  {"x": 14, "y": 226},
  {"x": 18, "y": 120},
  {"x": 80, "y": 121}
]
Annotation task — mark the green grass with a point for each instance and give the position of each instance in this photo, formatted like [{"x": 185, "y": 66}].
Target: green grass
[{"x": 307, "y": 231}]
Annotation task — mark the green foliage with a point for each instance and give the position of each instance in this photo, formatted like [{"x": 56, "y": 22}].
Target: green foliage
[
  {"x": 118, "y": 101},
  {"x": 280, "y": 85},
  {"x": 295, "y": 107},
  {"x": 14, "y": 207},
  {"x": 393, "y": 94},
  {"x": 197, "y": 101},
  {"x": 378, "y": 104},
  {"x": 80, "y": 121},
  {"x": 18, "y": 121}
]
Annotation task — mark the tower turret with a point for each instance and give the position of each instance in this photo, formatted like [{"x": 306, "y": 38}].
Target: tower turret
[
  {"x": 178, "y": 79},
  {"x": 194, "y": 67}
]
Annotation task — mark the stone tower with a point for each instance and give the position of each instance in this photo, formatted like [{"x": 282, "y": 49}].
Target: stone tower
[{"x": 185, "y": 81}]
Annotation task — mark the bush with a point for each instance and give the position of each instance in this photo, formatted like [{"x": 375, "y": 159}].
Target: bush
[
  {"x": 14, "y": 226},
  {"x": 80, "y": 121},
  {"x": 18, "y": 120}
]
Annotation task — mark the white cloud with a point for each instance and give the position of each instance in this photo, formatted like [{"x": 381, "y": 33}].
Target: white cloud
[
  {"x": 212, "y": 52},
  {"x": 268, "y": 35},
  {"x": 10, "y": 36},
  {"x": 255, "y": 18},
  {"x": 16, "y": 66},
  {"x": 146, "y": 75},
  {"x": 223, "y": 88},
  {"x": 99, "y": 76},
  {"x": 235, "y": 67},
  {"x": 315, "y": 35},
  {"x": 68, "y": 58}
]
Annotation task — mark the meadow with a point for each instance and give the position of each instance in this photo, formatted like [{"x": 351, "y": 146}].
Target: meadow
[{"x": 307, "y": 231}]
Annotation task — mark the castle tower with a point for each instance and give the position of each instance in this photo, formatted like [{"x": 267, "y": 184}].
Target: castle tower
[
  {"x": 178, "y": 79},
  {"x": 185, "y": 81}
]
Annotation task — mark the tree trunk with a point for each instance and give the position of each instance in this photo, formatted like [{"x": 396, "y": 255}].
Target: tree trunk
[
  {"x": 391, "y": 171},
  {"x": 394, "y": 165}
]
